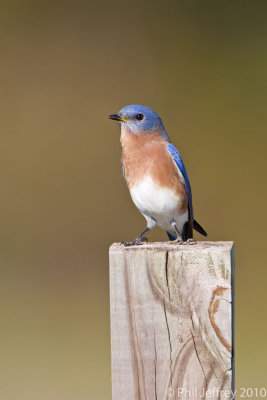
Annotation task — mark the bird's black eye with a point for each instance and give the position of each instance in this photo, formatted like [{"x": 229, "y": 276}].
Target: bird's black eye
[{"x": 139, "y": 117}]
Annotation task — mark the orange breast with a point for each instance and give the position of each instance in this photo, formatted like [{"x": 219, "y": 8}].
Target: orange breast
[{"x": 146, "y": 155}]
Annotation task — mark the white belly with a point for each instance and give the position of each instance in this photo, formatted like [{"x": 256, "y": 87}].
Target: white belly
[{"x": 158, "y": 205}]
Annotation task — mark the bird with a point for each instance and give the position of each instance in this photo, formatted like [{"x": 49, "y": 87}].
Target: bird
[{"x": 156, "y": 175}]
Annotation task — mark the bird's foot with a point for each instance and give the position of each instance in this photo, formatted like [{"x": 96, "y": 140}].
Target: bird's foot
[
  {"x": 136, "y": 242},
  {"x": 176, "y": 241},
  {"x": 179, "y": 241},
  {"x": 190, "y": 242}
]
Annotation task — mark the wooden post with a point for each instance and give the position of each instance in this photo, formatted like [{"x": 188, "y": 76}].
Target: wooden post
[{"x": 172, "y": 321}]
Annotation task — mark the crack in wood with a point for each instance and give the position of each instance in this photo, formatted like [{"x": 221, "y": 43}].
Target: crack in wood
[
  {"x": 165, "y": 313},
  {"x": 198, "y": 357},
  {"x": 133, "y": 333},
  {"x": 166, "y": 272},
  {"x": 169, "y": 338},
  {"x": 193, "y": 325},
  {"x": 214, "y": 373},
  {"x": 155, "y": 367}
]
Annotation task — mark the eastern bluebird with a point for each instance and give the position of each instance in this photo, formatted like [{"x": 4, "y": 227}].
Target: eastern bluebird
[{"x": 156, "y": 175}]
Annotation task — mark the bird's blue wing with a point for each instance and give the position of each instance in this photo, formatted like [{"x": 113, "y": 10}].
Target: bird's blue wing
[{"x": 174, "y": 153}]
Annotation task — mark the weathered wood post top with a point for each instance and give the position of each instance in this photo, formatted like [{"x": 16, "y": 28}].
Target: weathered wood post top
[{"x": 172, "y": 310}]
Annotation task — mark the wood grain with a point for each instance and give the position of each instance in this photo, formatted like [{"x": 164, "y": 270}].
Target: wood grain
[{"x": 171, "y": 321}]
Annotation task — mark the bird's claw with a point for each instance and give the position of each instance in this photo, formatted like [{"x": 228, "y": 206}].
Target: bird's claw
[
  {"x": 176, "y": 241},
  {"x": 136, "y": 242},
  {"x": 188, "y": 242}
]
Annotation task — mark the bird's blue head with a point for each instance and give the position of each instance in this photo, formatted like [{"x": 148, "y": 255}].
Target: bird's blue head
[{"x": 140, "y": 119}]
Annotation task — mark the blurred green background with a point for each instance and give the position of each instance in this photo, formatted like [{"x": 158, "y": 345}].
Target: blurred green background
[{"x": 64, "y": 67}]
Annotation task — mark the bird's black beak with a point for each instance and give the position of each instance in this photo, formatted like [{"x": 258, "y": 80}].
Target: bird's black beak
[{"x": 118, "y": 117}]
